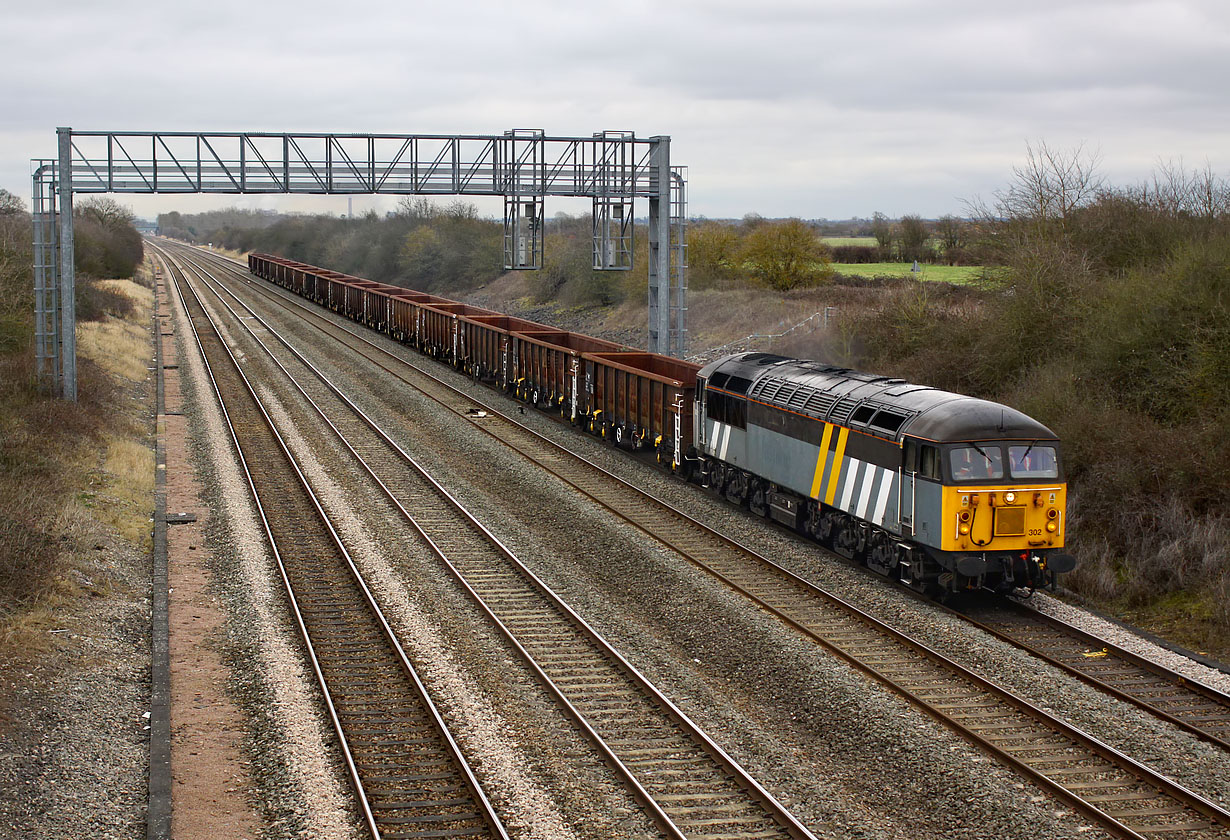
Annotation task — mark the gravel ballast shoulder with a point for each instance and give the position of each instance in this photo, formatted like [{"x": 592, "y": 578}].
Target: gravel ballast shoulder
[{"x": 74, "y": 730}]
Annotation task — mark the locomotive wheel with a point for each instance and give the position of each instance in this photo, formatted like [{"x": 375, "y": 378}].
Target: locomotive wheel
[
  {"x": 736, "y": 488},
  {"x": 829, "y": 526},
  {"x": 758, "y": 502},
  {"x": 882, "y": 557}
]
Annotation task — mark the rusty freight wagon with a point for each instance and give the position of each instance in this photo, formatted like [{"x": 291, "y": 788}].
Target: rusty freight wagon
[
  {"x": 545, "y": 363},
  {"x": 635, "y": 399},
  {"x": 440, "y": 333},
  {"x": 642, "y": 400},
  {"x": 488, "y": 342}
]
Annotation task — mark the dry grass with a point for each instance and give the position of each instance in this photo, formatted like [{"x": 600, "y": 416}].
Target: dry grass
[
  {"x": 139, "y": 292},
  {"x": 242, "y": 256},
  {"x": 128, "y": 490},
  {"x": 74, "y": 477},
  {"x": 120, "y": 346}
]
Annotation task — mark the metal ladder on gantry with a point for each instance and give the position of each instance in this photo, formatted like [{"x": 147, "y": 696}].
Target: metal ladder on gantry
[{"x": 523, "y": 166}]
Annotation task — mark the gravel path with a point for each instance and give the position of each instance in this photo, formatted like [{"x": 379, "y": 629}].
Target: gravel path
[{"x": 74, "y": 733}]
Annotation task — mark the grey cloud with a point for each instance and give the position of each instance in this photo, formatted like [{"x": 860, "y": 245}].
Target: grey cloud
[{"x": 785, "y": 106}]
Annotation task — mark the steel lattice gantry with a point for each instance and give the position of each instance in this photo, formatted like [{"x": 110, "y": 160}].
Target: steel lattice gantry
[{"x": 613, "y": 168}]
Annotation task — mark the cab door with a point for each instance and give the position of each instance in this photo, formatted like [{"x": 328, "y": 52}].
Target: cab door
[{"x": 907, "y": 475}]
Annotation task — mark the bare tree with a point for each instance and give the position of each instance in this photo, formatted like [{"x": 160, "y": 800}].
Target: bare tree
[
  {"x": 1174, "y": 191},
  {"x": 786, "y": 255},
  {"x": 1051, "y": 185},
  {"x": 914, "y": 235},
  {"x": 417, "y": 208},
  {"x": 10, "y": 204},
  {"x": 107, "y": 212},
  {"x": 951, "y": 232}
]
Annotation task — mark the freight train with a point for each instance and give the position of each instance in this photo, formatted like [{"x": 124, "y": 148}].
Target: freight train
[{"x": 943, "y": 492}]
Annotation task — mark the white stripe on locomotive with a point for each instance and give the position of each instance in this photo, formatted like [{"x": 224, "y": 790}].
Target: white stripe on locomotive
[
  {"x": 869, "y": 474},
  {"x": 849, "y": 479},
  {"x": 886, "y": 483}
]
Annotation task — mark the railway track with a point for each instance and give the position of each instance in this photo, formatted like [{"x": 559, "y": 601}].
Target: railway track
[
  {"x": 1184, "y": 702},
  {"x": 689, "y": 786},
  {"x": 410, "y": 779},
  {"x": 1125, "y": 797}
]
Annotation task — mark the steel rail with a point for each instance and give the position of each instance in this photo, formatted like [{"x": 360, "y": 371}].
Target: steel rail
[
  {"x": 777, "y": 812},
  {"x": 1170, "y": 789},
  {"x": 1185, "y": 702},
  {"x": 487, "y": 813}
]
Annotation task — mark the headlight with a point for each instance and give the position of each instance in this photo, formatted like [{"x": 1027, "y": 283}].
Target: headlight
[
  {"x": 1009, "y": 497},
  {"x": 1052, "y": 526}
]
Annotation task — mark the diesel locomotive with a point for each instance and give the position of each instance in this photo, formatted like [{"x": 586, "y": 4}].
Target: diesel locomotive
[{"x": 943, "y": 492}]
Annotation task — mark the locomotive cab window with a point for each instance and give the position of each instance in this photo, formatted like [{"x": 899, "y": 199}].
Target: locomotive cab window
[
  {"x": 1032, "y": 461},
  {"x": 981, "y": 462}
]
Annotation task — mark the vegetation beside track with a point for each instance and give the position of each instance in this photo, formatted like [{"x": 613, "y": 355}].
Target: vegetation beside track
[{"x": 73, "y": 476}]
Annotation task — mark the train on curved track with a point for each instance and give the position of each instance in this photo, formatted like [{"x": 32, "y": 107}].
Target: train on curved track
[{"x": 943, "y": 492}]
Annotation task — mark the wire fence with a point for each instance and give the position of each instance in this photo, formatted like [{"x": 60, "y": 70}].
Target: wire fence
[{"x": 816, "y": 321}]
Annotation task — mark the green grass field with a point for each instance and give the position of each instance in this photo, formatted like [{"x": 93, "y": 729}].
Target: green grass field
[
  {"x": 940, "y": 273},
  {"x": 834, "y": 241}
]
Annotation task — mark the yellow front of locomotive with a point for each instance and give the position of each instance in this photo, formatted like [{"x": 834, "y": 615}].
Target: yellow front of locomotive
[
  {"x": 1004, "y": 512},
  {"x": 998, "y": 518}
]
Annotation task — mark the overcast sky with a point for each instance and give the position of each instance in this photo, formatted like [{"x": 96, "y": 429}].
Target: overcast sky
[{"x": 811, "y": 108}]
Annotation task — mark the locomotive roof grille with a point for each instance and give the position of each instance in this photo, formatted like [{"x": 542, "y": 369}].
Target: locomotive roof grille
[
  {"x": 819, "y": 404},
  {"x": 799, "y": 397},
  {"x": 768, "y": 389},
  {"x": 840, "y": 413},
  {"x": 891, "y": 407}
]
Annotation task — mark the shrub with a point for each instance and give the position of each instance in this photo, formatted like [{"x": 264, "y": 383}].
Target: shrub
[
  {"x": 95, "y": 300},
  {"x": 855, "y": 254}
]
